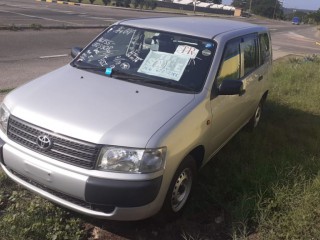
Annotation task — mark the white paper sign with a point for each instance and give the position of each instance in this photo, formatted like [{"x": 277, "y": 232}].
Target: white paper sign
[
  {"x": 185, "y": 50},
  {"x": 166, "y": 65}
]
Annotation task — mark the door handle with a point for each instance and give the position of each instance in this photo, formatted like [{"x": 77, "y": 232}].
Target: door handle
[{"x": 260, "y": 77}]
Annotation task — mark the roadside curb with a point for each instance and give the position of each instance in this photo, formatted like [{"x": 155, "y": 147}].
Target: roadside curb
[{"x": 59, "y": 2}]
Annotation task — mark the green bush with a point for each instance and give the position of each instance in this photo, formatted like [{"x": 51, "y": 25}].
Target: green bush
[
  {"x": 150, "y": 4},
  {"x": 106, "y": 2},
  {"x": 123, "y": 3},
  {"x": 147, "y": 4}
]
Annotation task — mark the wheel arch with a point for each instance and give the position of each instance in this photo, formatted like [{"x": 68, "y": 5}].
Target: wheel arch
[
  {"x": 264, "y": 96},
  {"x": 198, "y": 155}
]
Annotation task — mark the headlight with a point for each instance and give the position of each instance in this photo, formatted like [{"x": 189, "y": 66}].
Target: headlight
[
  {"x": 4, "y": 117},
  {"x": 129, "y": 160}
]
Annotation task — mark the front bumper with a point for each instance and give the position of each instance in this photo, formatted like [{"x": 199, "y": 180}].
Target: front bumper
[
  {"x": 94, "y": 196},
  {"x": 1, "y": 146}
]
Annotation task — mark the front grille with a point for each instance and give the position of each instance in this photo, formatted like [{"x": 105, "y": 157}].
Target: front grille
[{"x": 64, "y": 149}]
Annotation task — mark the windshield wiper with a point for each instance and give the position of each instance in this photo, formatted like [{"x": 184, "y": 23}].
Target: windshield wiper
[
  {"x": 171, "y": 84},
  {"x": 81, "y": 66},
  {"x": 128, "y": 76},
  {"x": 114, "y": 72}
]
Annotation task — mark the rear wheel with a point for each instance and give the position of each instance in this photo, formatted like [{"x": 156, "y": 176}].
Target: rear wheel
[
  {"x": 255, "y": 119},
  {"x": 180, "y": 188}
]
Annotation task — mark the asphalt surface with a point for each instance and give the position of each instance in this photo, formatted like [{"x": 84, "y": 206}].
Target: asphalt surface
[
  {"x": 25, "y": 55},
  {"x": 28, "y": 12}
]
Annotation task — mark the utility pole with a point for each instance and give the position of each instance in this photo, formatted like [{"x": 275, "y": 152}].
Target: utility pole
[
  {"x": 274, "y": 10},
  {"x": 250, "y": 6}
]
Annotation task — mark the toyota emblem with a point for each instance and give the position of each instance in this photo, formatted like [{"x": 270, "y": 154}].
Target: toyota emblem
[{"x": 44, "y": 142}]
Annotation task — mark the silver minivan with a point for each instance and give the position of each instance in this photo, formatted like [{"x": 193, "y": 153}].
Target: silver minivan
[{"x": 121, "y": 131}]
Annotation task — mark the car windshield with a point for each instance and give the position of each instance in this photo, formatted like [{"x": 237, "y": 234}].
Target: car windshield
[{"x": 150, "y": 57}]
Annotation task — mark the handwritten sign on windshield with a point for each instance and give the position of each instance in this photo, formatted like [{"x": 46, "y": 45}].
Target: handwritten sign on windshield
[
  {"x": 166, "y": 65},
  {"x": 185, "y": 50}
]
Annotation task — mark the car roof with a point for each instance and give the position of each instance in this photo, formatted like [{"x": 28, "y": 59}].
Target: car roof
[{"x": 204, "y": 27}]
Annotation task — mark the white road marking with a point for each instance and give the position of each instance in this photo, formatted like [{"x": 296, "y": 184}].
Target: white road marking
[
  {"x": 299, "y": 37},
  {"x": 102, "y": 18},
  {"x": 44, "y": 18},
  {"x": 54, "y": 56}
]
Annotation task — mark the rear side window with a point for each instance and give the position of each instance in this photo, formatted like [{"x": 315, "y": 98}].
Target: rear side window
[
  {"x": 264, "y": 48},
  {"x": 249, "y": 54}
]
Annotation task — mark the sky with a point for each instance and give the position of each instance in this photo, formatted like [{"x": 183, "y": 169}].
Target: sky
[{"x": 298, "y": 4}]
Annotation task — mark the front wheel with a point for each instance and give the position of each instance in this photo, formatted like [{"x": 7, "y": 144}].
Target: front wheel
[{"x": 180, "y": 188}]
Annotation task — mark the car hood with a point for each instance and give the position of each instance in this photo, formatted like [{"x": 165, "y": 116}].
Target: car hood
[{"x": 95, "y": 108}]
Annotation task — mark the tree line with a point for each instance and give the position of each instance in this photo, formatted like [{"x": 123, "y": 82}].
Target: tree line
[
  {"x": 268, "y": 8},
  {"x": 274, "y": 9},
  {"x": 147, "y": 4}
]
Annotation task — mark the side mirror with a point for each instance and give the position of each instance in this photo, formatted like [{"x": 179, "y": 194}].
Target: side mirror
[
  {"x": 75, "y": 51},
  {"x": 231, "y": 87}
]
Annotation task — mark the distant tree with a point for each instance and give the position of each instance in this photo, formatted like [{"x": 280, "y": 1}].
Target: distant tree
[
  {"x": 105, "y": 2},
  {"x": 244, "y": 4},
  {"x": 304, "y": 16},
  {"x": 138, "y": 3},
  {"x": 316, "y": 16},
  {"x": 147, "y": 4},
  {"x": 123, "y": 3},
  {"x": 266, "y": 8},
  {"x": 150, "y": 4}
]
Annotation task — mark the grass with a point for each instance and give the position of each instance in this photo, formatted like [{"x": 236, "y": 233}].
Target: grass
[
  {"x": 26, "y": 216},
  {"x": 96, "y": 2},
  {"x": 13, "y": 27},
  {"x": 262, "y": 185},
  {"x": 36, "y": 26},
  {"x": 5, "y": 91}
]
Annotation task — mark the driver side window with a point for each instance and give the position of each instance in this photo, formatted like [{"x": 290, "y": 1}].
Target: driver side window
[{"x": 230, "y": 65}]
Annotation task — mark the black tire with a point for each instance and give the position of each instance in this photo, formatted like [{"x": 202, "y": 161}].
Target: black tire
[
  {"x": 180, "y": 188},
  {"x": 255, "y": 119}
]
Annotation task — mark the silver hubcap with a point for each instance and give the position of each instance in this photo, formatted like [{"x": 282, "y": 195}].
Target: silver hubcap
[
  {"x": 181, "y": 190},
  {"x": 257, "y": 116}
]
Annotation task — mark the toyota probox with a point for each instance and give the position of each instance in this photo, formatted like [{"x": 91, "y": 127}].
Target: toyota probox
[{"x": 121, "y": 131}]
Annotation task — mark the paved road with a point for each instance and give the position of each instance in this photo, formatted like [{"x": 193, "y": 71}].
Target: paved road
[
  {"x": 25, "y": 55},
  {"x": 287, "y": 38},
  {"x": 300, "y": 41},
  {"x": 27, "y": 12}
]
